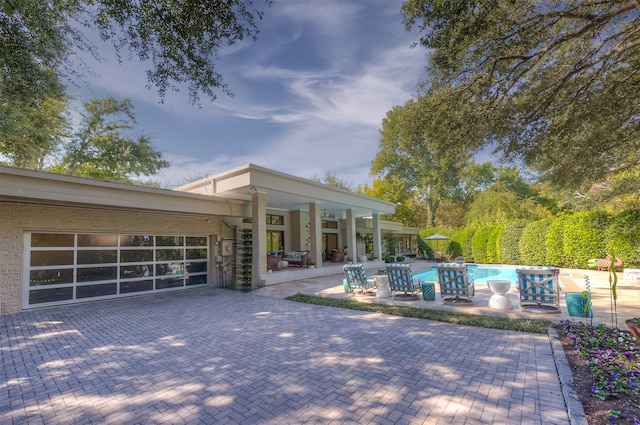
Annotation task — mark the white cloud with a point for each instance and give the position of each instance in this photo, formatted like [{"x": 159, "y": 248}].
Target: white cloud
[{"x": 310, "y": 94}]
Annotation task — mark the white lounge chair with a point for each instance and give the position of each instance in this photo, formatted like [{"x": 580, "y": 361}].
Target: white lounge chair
[
  {"x": 455, "y": 286},
  {"x": 401, "y": 281},
  {"x": 538, "y": 289}
]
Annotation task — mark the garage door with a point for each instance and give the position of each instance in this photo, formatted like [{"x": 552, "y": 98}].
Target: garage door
[{"x": 63, "y": 268}]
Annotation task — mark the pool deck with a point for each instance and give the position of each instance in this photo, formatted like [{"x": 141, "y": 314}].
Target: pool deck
[{"x": 571, "y": 280}]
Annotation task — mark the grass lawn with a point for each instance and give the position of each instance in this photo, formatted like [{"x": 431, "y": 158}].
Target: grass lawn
[{"x": 540, "y": 326}]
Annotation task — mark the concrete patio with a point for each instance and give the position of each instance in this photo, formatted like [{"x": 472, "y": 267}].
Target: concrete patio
[{"x": 329, "y": 284}]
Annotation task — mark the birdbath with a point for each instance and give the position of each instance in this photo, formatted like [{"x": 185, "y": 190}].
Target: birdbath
[
  {"x": 382, "y": 282},
  {"x": 499, "y": 300}
]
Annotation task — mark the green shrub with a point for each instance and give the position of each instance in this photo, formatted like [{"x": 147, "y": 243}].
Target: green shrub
[
  {"x": 479, "y": 244},
  {"x": 624, "y": 234},
  {"x": 423, "y": 248},
  {"x": 532, "y": 247},
  {"x": 464, "y": 238},
  {"x": 492, "y": 253},
  {"x": 554, "y": 243},
  {"x": 455, "y": 249},
  {"x": 584, "y": 237},
  {"x": 508, "y": 245}
]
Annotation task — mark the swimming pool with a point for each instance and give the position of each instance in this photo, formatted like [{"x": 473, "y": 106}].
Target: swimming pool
[{"x": 478, "y": 273}]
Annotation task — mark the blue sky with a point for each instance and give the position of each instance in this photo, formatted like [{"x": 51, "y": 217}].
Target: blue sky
[{"x": 310, "y": 94}]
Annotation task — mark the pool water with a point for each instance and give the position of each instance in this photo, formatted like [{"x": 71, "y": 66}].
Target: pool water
[{"x": 479, "y": 273}]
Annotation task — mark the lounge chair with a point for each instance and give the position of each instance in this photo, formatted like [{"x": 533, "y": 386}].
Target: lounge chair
[
  {"x": 455, "y": 286},
  {"x": 357, "y": 280},
  {"x": 401, "y": 282},
  {"x": 538, "y": 289}
]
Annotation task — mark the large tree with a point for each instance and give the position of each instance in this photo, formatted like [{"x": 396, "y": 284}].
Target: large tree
[
  {"x": 180, "y": 39},
  {"x": 34, "y": 42},
  {"x": 423, "y": 146},
  {"x": 555, "y": 83},
  {"x": 41, "y": 133},
  {"x": 104, "y": 148}
]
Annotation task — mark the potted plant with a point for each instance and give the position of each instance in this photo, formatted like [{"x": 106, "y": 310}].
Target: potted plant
[
  {"x": 311, "y": 265},
  {"x": 634, "y": 326},
  {"x": 349, "y": 260}
]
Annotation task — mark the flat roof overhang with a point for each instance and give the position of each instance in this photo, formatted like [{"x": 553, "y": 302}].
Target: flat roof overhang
[
  {"x": 286, "y": 192},
  {"x": 17, "y": 184}
]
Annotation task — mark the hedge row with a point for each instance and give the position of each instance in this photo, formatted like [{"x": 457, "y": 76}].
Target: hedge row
[{"x": 565, "y": 241}]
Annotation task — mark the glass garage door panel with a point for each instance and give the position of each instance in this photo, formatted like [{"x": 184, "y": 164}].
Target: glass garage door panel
[
  {"x": 71, "y": 267},
  {"x": 50, "y": 277},
  {"x": 54, "y": 295}
]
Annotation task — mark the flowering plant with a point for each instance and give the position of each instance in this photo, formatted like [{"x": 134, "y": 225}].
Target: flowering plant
[{"x": 613, "y": 357}]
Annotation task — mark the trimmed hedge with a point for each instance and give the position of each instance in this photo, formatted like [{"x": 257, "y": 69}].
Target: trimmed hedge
[
  {"x": 493, "y": 244},
  {"x": 480, "y": 244},
  {"x": 533, "y": 251},
  {"x": 584, "y": 237},
  {"x": 623, "y": 237},
  {"x": 554, "y": 243},
  {"x": 566, "y": 241},
  {"x": 464, "y": 238},
  {"x": 509, "y": 244}
]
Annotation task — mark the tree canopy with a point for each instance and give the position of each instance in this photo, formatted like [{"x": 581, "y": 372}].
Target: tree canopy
[
  {"x": 103, "y": 148},
  {"x": 180, "y": 40},
  {"x": 425, "y": 148},
  {"x": 556, "y": 84}
]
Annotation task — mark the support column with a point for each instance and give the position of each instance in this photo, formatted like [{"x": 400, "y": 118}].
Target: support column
[
  {"x": 315, "y": 228},
  {"x": 377, "y": 239},
  {"x": 259, "y": 230},
  {"x": 351, "y": 234}
]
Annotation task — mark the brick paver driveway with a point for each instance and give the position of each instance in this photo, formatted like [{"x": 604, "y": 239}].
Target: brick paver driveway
[{"x": 217, "y": 356}]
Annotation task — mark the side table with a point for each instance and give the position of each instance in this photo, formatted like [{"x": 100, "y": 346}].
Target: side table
[
  {"x": 382, "y": 282},
  {"x": 499, "y": 300}
]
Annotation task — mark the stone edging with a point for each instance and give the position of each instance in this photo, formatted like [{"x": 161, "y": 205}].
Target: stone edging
[{"x": 571, "y": 400}]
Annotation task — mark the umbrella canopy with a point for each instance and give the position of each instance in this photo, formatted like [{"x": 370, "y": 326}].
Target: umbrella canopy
[{"x": 437, "y": 237}]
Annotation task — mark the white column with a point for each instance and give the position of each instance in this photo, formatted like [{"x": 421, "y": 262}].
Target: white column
[
  {"x": 315, "y": 228},
  {"x": 351, "y": 234},
  {"x": 259, "y": 230},
  {"x": 377, "y": 239}
]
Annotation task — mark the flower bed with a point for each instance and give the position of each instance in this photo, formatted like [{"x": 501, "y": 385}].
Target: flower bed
[{"x": 611, "y": 359}]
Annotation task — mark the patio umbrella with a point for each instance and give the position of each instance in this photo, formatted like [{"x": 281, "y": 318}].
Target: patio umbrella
[{"x": 437, "y": 237}]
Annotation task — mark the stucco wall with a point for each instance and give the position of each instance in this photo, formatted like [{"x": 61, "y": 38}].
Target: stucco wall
[{"x": 16, "y": 218}]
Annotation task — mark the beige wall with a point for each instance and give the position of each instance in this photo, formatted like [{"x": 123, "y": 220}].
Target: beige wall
[{"x": 16, "y": 218}]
